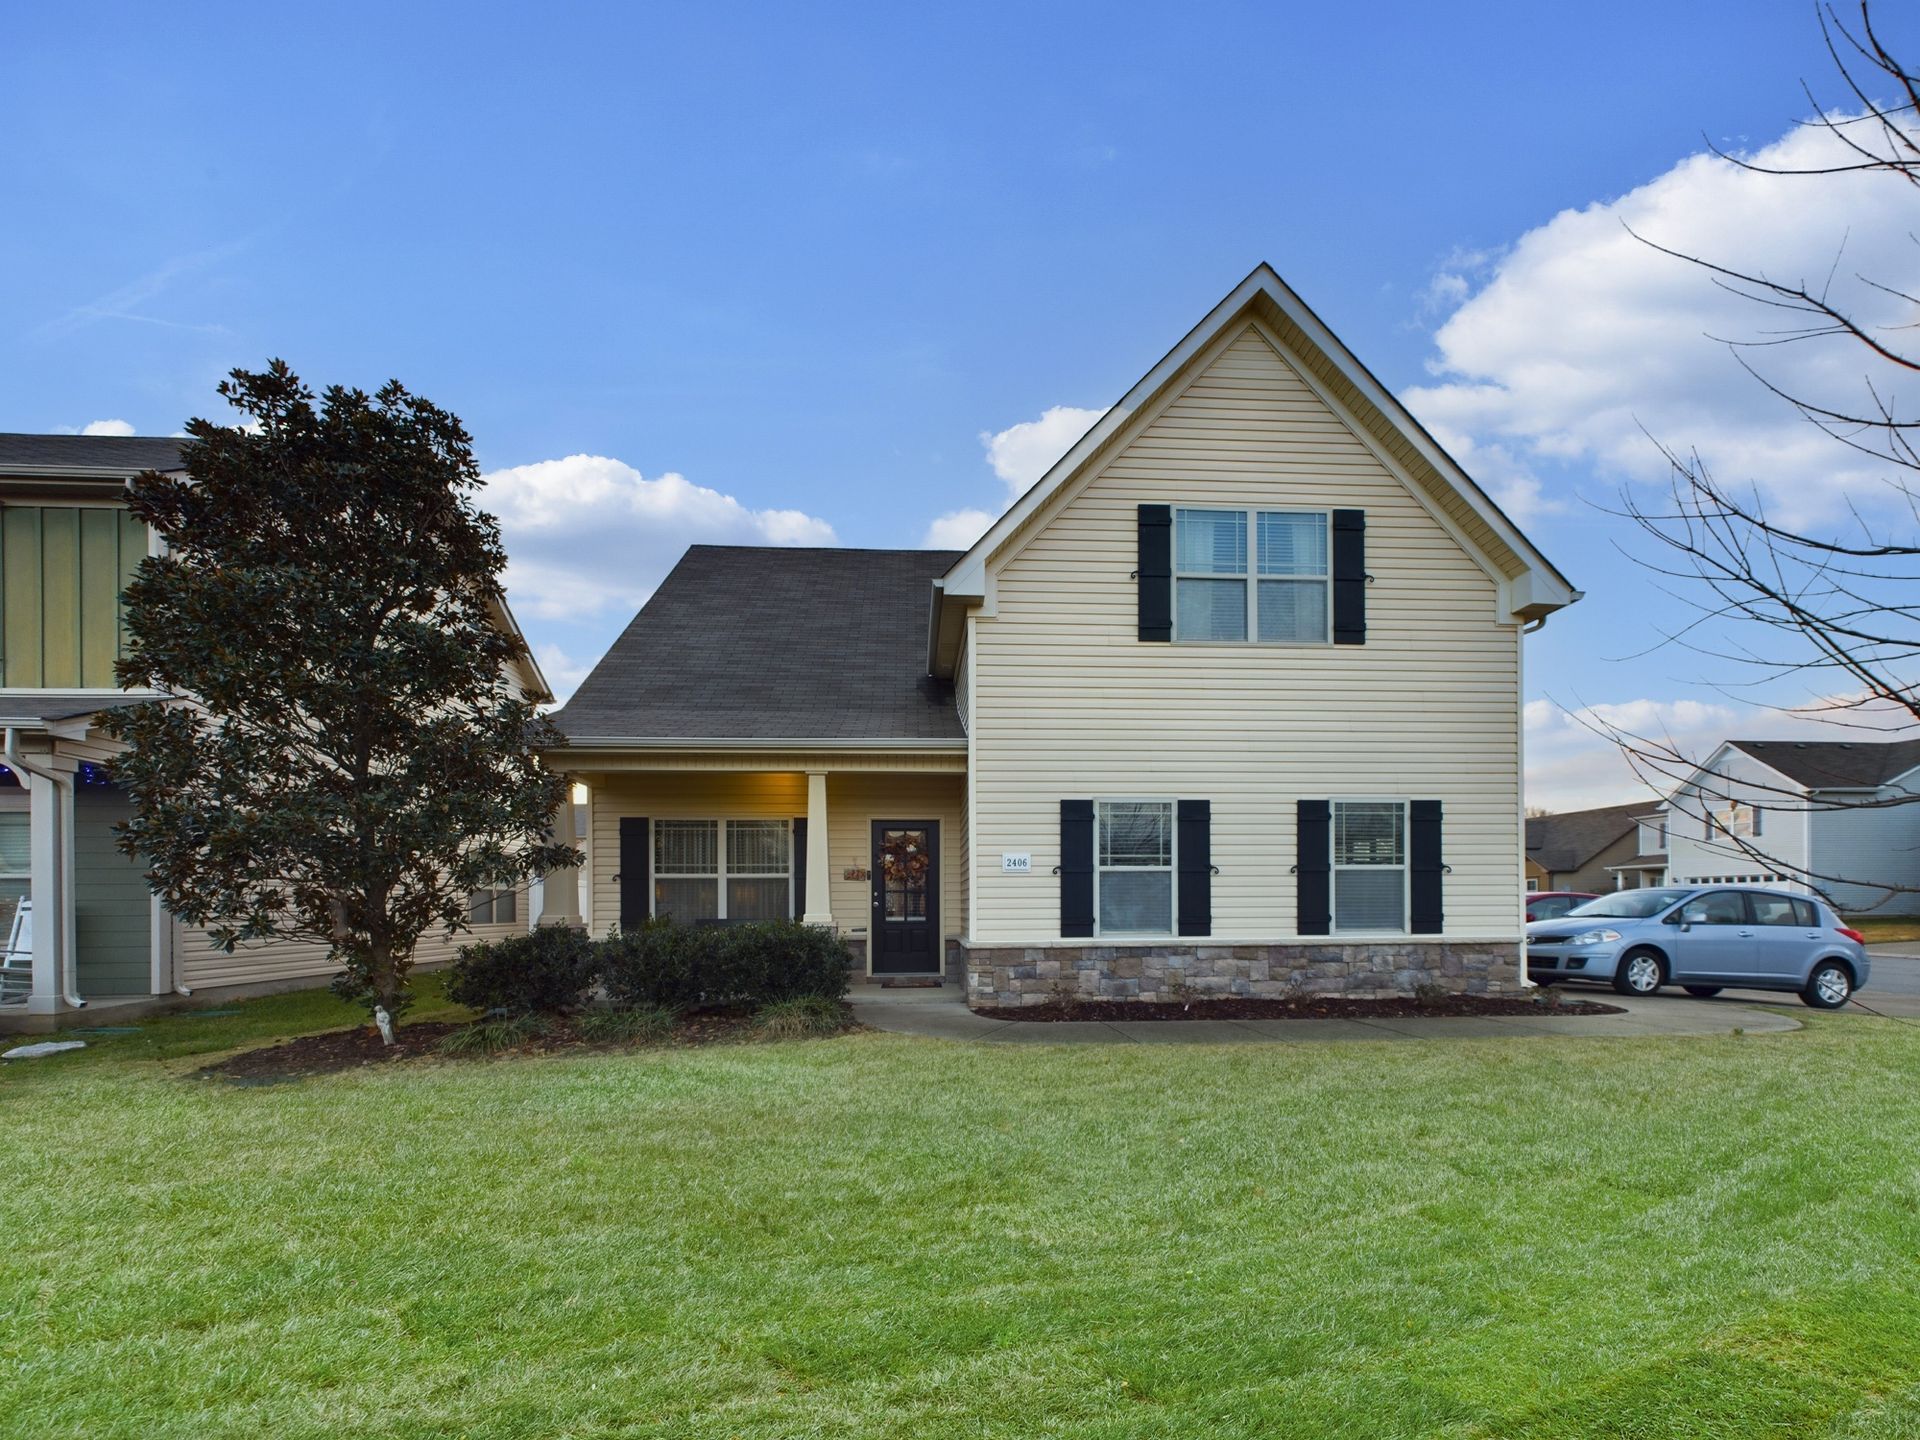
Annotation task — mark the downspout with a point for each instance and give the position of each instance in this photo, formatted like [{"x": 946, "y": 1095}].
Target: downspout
[{"x": 69, "y": 955}]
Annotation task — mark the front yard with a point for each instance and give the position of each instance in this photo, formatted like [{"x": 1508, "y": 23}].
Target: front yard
[{"x": 880, "y": 1236}]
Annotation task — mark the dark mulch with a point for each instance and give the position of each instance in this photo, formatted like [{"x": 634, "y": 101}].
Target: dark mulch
[
  {"x": 1319, "y": 1008},
  {"x": 332, "y": 1051}
]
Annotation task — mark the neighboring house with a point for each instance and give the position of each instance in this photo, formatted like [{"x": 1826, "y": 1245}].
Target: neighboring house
[
  {"x": 1839, "y": 817},
  {"x": 1229, "y": 701},
  {"x": 1646, "y": 866},
  {"x": 1574, "y": 851},
  {"x": 67, "y": 548}
]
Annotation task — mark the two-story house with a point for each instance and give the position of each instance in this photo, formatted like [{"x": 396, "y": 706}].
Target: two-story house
[
  {"x": 1229, "y": 701},
  {"x": 1838, "y": 817},
  {"x": 68, "y": 545}
]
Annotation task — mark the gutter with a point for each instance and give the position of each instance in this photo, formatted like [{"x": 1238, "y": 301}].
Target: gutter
[
  {"x": 600, "y": 742},
  {"x": 69, "y": 950}
]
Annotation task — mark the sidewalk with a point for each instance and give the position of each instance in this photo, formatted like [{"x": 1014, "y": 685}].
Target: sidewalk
[{"x": 942, "y": 1014}]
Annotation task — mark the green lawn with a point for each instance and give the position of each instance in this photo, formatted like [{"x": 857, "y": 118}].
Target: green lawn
[{"x": 880, "y": 1236}]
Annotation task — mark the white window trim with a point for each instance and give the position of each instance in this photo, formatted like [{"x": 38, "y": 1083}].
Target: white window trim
[
  {"x": 719, "y": 873},
  {"x": 1250, "y": 577},
  {"x": 1334, "y": 867},
  {"x": 1172, "y": 867}
]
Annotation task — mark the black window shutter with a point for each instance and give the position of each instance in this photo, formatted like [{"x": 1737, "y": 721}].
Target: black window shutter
[
  {"x": 799, "y": 868},
  {"x": 1154, "y": 572},
  {"x": 636, "y": 866},
  {"x": 1195, "y": 819},
  {"x": 1349, "y": 577},
  {"x": 1425, "y": 871},
  {"x": 1313, "y": 867},
  {"x": 1076, "y": 867}
]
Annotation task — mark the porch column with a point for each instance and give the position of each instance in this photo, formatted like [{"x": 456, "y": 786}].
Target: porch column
[
  {"x": 819, "y": 907},
  {"x": 49, "y": 831},
  {"x": 560, "y": 889}
]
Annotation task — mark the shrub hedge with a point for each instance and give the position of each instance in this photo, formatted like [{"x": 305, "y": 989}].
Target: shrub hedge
[
  {"x": 681, "y": 967},
  {"x": 544, "y": 972}
]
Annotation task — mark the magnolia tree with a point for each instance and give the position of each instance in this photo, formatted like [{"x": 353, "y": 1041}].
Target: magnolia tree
[{"x": 347, "y": 761}]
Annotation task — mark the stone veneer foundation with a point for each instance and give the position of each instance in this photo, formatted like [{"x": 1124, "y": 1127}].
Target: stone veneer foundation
[{"x": 1159, "y": 971}]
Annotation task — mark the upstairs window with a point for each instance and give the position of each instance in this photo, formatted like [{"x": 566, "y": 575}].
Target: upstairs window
[
  {"x": 62, "y": 571},
  {"x": 1259, "y": 575}
]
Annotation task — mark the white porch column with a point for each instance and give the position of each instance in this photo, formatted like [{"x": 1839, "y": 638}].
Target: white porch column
[
  {"x": 49, "y": 831},
  {"x": 819, "y": 906},
  {"x": 560, "y": 890}
]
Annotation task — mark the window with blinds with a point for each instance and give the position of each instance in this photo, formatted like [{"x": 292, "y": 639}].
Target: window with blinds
[
  {"x": 703, "y": 870},
  {"x": 1370, "y": 865}
]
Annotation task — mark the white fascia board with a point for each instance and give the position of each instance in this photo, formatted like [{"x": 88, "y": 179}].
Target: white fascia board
[
  {"x": 512, "y": 628},
  {"x": 1726, "y": 745}
]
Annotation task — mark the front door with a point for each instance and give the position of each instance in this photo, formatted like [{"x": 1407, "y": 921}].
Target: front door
[{"x": 906, "y": 898}]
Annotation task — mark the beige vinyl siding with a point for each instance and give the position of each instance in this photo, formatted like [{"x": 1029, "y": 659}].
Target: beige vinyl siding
[
  {"x": 1068, "y": 703},
  {"x": 200, "y": 964},
  {"x": 854, "y": 801}
]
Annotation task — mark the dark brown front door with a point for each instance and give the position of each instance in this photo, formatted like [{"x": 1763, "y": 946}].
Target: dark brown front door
[{"x": 906, "y": 897}]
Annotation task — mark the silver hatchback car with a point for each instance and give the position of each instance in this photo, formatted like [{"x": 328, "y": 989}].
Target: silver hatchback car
[{"x": 1703, "y": 939}]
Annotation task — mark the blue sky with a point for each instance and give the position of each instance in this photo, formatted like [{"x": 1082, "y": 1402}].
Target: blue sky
[{"x": 809, "y": 261}]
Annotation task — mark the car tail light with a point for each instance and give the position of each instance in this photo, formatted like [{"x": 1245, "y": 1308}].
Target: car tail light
[{"x": 1853, "y": 935}]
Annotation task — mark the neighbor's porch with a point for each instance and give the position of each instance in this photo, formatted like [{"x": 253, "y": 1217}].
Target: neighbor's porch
[{"x": 874, "y": 845}]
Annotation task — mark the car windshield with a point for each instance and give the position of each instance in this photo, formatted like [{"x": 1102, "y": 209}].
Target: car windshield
[{"x": 1630, "y": 904}]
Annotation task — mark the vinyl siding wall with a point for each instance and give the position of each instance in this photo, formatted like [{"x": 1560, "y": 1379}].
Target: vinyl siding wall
[
  {"x": 1875, "y": 848},
  {"x": 1067, "y": 702},
  {"x": 1782, "y": 843},
  {"x": 854, "y": 801}
]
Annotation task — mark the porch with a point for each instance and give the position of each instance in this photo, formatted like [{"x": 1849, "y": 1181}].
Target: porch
[{"x": 872, "y": 845}]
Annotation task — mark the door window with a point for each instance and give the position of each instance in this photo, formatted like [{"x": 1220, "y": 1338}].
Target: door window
[
  {"x": 1722, "y": 907},
  {"x": 905, "y": 862}
]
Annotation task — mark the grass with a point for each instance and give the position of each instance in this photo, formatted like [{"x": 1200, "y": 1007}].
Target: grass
[
  {"x": 636, "y": 1024},
  {"x": 879, "y": 1236},
  {"x": 810, "y": 1015}
]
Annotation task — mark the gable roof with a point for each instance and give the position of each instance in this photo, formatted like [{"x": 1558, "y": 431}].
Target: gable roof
[
  {"x": 1566, "y": 842},
  {"x": 56, "y": 455},
  {"x": 1835, "y": 764},
  {"x": 1531, "y": 587},
  {"x": 757, "y": 644}
]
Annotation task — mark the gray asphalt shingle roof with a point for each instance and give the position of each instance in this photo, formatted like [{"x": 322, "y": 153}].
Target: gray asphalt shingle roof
[
  {"x": 1821, "y": 764},
  {"x": 771, "y": 643},
  {"x": 131, "y": 453},
  {"x": 1566, "y": 842}
]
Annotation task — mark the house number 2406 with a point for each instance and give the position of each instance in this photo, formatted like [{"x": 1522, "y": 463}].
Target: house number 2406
[{"x": 1017, "y": 863}]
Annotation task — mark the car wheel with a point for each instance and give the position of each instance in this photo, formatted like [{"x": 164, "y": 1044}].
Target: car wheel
[
  {"x": 1702, "y": 992},
  {"x": 1829, "y": 987},
  {"x": 1640, "y": 972}
]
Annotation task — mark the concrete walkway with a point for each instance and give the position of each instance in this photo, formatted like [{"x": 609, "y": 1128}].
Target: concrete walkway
[{"x": 942, "y": 1014}]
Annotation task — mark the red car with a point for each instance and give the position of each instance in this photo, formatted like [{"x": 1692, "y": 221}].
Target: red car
[{"x": 1552, "y": 904}]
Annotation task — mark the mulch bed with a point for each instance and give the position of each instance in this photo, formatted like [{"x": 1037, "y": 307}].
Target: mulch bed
[
  {"x": 333, "y": 1051},
  {"x": 1324, "y": 1008}
]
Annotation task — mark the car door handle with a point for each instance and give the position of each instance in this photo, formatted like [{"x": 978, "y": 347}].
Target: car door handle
[{"x": 1746, "y": 934}]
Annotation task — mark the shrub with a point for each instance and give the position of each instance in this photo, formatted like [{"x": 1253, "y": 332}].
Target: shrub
[
  {"x": 797, "y": 1019},
  {"x": 490, "y": 1037},
  {"x": 639, "y": 1024},
  {"x": 544, "y": 972},
  {"x": 686, "y": 966}
]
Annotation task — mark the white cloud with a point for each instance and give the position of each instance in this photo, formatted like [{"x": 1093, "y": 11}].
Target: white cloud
[
  {"x": 563, "y": 672},
  {"x": 588, "y": 533},
  {"x": 1578, "y": 341},
  {"x": 957, "y": 529},
  {"x": 107, "y": 427},
  {"x": 1022, "y": 453}
]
